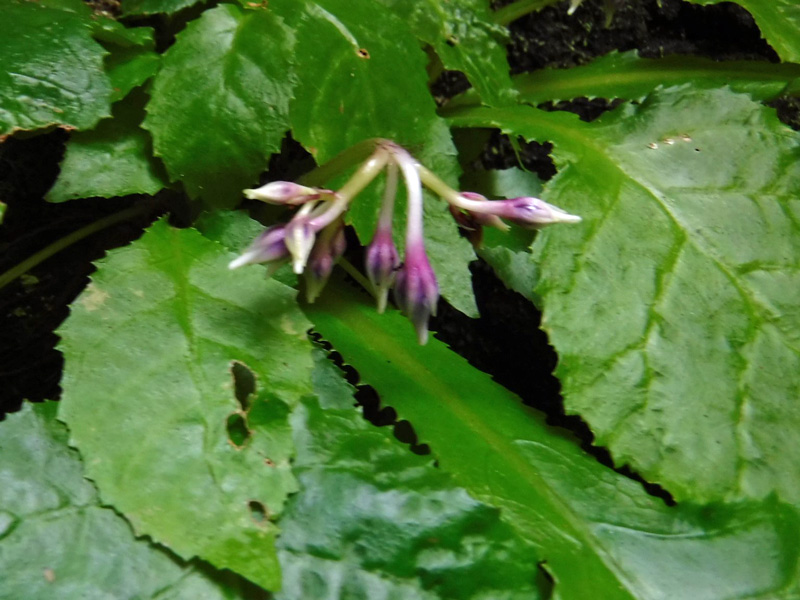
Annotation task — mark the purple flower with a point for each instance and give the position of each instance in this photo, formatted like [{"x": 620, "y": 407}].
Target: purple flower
[
  {"x": 284, "y": 192},
  {"x": 532, "y": 213},
  {"x": 269, "y": 247},
  {"x": 327, "y": 251},
  {"x": 416, "y": 290},
  {"x": 382, "y": 262},
  {"x": 382, "y": 259}
]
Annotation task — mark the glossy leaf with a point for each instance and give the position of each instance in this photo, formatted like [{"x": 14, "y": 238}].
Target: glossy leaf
[
  {"x": 673, "y": 305},
  {"x": 152, "y": 7},
  {"x": 57, "y": 541},
  {"x": 373, "y": 520},
  {"x": 626, "y": 75},
  {"x": 51, "y": 70},
  {"x": 220, "y": 101},
  {"x": 132, "y": 59},
  {"x": 779, "y": 21},
  {"x": 466, "y": 40},
  {"x": 156, "y": 349},
  {"x": 599, "y": 533},
  {"x": 114, "y": 159}
]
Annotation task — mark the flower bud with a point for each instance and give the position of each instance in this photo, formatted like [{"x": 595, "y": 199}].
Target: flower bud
[
  {"x": 382, "y": 262},
  {"x": 416, "y": 290},
  {"x": 283, "y": 192},
  {"x": 532, "y": 213},
  {"x": 328, "y": 249},
  {"x": 269, "y": 247}
]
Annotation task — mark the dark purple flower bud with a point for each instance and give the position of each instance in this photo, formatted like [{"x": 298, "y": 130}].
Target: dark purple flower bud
[
  {"x": 269, "y": 247},
  {"x": 382, "y": 262},
  {"x": 416, "y": 290},
  {"x": 328, "y": 249},
  {"x": 284, "y": 192},
  {"x": 532, "y": 213}
]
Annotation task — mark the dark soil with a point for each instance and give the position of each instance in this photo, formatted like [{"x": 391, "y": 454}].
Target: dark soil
[{"x": 505, "y": 342}]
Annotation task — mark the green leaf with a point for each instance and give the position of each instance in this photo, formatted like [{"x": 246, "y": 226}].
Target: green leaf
[
  {"x": 57, "y": 541},
  {"x": 114, "y": 159},
  {"x": 65, "y": 84},
  {"x": 626, "y": 75},
  {"x": 779, "y": 21},
  {"x": 599, "y": 533},
  {"x": 129, "y": 68},
  {"x": 152, "y": 7},
  {"x": 466, "y": 39},
  {"x": 2, "y": 211},
  {"x": 673, "y": 305},
  {"x": 373, "y": 520},
  {"x": 132, "y": 59},
  {"x": 362, "y": 77},
  {"x": 158, "y": 350},
  {"x": 220, "y": 101}
]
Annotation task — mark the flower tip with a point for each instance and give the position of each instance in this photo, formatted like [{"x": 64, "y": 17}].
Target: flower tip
[
  {"x": 382, "y": 299},
  {"x": 240, "y": 261},
  {"x": 568, "y": 218}
]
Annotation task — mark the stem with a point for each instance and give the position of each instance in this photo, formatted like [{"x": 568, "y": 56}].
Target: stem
[
  {"x": 520, "y": 8},
  {"x": 410, "y": 167},
  {"x": 356, "y": 274},
  {"x": 389, "y": 194},
  {"x": 360, "y": 179},
  {"x": 340, "y": 163},
  {"x": 66, "y": 241},
  {"x": 439, "y": 187}
]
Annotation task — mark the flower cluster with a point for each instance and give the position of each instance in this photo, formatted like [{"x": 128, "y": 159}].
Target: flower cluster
[{"x": 313, "y": 240}]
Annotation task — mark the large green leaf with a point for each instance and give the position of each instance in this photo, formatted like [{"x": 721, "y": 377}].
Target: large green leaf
[
  {"x": 599, "y": 533},
  {"x": 626, "y": 75},
  {"x": 158, "y": 350},
  {"x": 51, "y": 70},
  {"x": 373, "y": 520},
  {"x": 466, "y": 39},
  {"x": 114, "y": 159},
  {"x": 673, "y": 305},
  {"x": 57, "y": 541},
  {"x": 220, "y": 101},
  {"x": 779, "y": 21},
  {"x": 362, "y": 77}
]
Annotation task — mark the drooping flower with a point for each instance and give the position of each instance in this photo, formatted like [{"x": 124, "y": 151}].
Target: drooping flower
[
  {"x": 382, "y": 259},
  {"x": 328, "y": 249},
  {"x": 416, "y": 290}
]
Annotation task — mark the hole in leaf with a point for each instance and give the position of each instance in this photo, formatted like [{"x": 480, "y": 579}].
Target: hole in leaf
[
  {"x": 258, "y": 511},
  {"x": 238, "y": 433},
  {"x": 363, "y": 53},
  {"x": 244, "y": 383}
]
